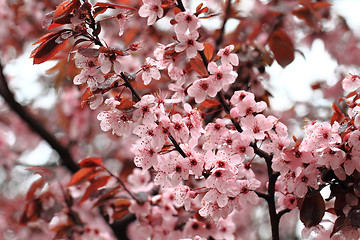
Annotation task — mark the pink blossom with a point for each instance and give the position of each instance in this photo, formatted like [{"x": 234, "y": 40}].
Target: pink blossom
[
  {"x": 179, "y": 129},
  {"x": 175, "y": 166},
  {"x": 110, "y": 59},
  {"x": 140, "y": 181},
  {"x": 188, "y": 43},
  {"x": 150, "y": 71},
  {"x": 146, "y": 155},
  {"x": 120, "y": 122},
  {"x": 200, "y": 89},
  {"x": 247, "y": 106},
  {"x": 246, "y": 191},
  {"x": 186, "y": 20},
  {"x": 256, "y": 126},
  {"x": 145, "y": 111},
  {"x": 90, "y": 76},
  {"x": 122, "y": 18},
  {"x": 289, "y": 201},
  {"x": 305, "y": 178},
  {"x": 151, "y": 9},
  {"x": 214, "y": 133},
  {"x": 351, "y": 82},
  {"x": 221, "y": 76},
  {"x": 220, "y": 179},
  {"x": 227, "y": 57}
]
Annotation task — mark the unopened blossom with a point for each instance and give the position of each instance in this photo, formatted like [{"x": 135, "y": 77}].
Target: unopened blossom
[
  {"x": 188, "y": 43},
  {"x": 122, "y": 18},
  {"x": 150, "y": 71},
  {"x": 186, "y": 20},
  {"x": 227, "y": 57},
  {"x": 152, "y": 10}
]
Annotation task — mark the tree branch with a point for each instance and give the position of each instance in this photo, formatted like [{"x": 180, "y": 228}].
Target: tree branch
[{"x": 64, "y": 154}]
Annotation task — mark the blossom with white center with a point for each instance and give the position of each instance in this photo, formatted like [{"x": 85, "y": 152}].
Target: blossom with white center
[
  {"x": 152, "y": 10},
  {"x": 188, "y": 43}
]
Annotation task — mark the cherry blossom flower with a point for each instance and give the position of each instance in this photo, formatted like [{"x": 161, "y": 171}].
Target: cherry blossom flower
[
  {"x": 188, "y": 43},
  {"x": 186, "y": 20},
  {"x": 122, "y": 18},
  {"x": 120, "y": 122},
  {"x": 179, "y": 129},
  {"x": 151, "y": 9},
  {"x": 256, "y": 126},
  {"x": 140, "y": 181},
  {"x": 246, "y": 191},
  {"x": 214, "y": 133},
  {"x": 248, "y": 106},
  {"x": 221, "y": 76},
  {"x": 150, "y": 71},
  {"x": 220, "y": 179},
  {"x": 145, "y": 111},
  {"x": 175, "y": 166},
  {"x": 305, "y": 178},
  {"x": 109, "y": 59},
  {"x": 227, "y": 57},
  {"x": 320, "y": 135},
  {"x": 146, "y": 155},
  {"x": 183, "y": 196},
  {"x": 289, "y": 201},
  {"x": 351, "y": 82},
  {"x": 200, "y": 89}
]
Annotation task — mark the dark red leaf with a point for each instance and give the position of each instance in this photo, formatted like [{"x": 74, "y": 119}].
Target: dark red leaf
[
  {"x": 62, "y": 12},
  {"x": 48, "y": 48},
  {"x": 100, "y": 182},
  {"x": 354, "y": 216},
  {"x": 339, "y": 223},
  {"x": 338, "y": 116},
  {"x": 82, "y": 175},
  {"x": 110, "y": 5},
  {"x": 198, "y": 66},
  {"x": 208, "y": 51},
  {"x": 312, "y": 209},
  {"x": 38, "y": 184},
  {"x": 90, "y": 162},
  {"x": 282, "y": 47}
]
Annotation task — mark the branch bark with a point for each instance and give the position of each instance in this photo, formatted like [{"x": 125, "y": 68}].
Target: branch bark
[{"x": 119, "y": 229}]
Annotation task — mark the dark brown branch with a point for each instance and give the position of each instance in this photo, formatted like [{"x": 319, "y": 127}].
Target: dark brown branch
[
  {"x": 66, "y": 159},
  {"x": 222, "y": 30},
  {"x": 270, "y": 197},
  {"x": 36, "y": 126}
]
